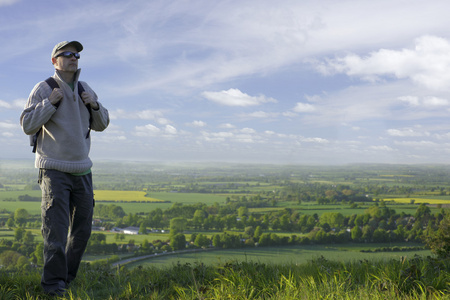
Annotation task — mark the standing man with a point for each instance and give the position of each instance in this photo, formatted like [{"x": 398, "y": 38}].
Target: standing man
[{"x": 59, "y": 119}]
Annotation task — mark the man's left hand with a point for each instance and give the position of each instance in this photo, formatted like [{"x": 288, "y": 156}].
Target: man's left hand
[{"x": 88, "y": 99}]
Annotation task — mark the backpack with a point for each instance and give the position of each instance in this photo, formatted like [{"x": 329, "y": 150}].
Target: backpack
[{"x": 54, "y": 85}]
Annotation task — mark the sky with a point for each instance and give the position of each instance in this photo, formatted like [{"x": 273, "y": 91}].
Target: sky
[{"x": 281, "y": 82}]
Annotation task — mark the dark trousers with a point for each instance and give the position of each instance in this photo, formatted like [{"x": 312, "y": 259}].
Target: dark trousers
[{"x": 66, "y": 211}]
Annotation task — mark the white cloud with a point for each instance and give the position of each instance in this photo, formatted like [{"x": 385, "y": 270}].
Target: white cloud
[
  {"x": 197, "y": 124},
  {"x": 442, "y": 136},
  {"x": 417, "y": 144},
  {"x": 427, "y": 64},
  {"x": 216, "y": 136},
  {"x": 407, "y": 132},
  {"x": 19, "y": 103},
  {"x": 170, "y": 129},
  {"x": 289, "y": 114},
  {"x": 245, "y": 138},
  {"x": 247, "y": 130},
  {"x": 428, "y": 102},
  {"x": 435, "y": 102},
  {"x": 146, "y": 115},
  {"x": 8, "y": 2},
  {"x": 137, "y": 115},
  {"x": 227, "y": 125},
  {"x": 304, "y": 107},
  {"x": 147, "y": 130},
  {"x": 8, "y": 125},
  {"x": 259, "y": 114},
  {"x": 315, "y": 140},
  {"x": 382, "y": 148},
  {"x": 4, "y": 104},
  {"x": 234, "y": 97},
  {"x": 411, "y": 100}
]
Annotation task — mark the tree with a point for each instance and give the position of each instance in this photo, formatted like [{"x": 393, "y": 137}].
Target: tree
[
  {"x": 177, "y": 225},
  {"x": 145, "y": 245},
  {"x": 142, "y": 228},
  {"x": 97, "y": 238},
  {"x": 258, "y": 233},
  {"x": 380, "y": 236},
  {"x": 249, "y": 231},
  {"x": 10, "y": 223},
  {"x": 20, "y": 216},
  {"x": 178, "y": 241},
  {"x": 242, "y": 211},
  {"x": 202, "y": 241},
  {"x": 359, "y": 220},
  {"x": 216, "y": 242},
  {"x": 9, "y": 259},
  {"x": 19, "y": 233},
  {"x": 335, "y": 220},
  {"x": 326, "y": 227},
  {"x": 199, "y": 217},
  {"x": 285, "y": 223},
  {"x": 356, "y": 233},
  {"x": 422, "y": 214},
  {"x": 38, "y": 254},
  {"x": 22, "y": 263},
  {"x": 439, "y": 241},
  {"x": 28, "y": 238},
  {"x": 367, "y": 233}
]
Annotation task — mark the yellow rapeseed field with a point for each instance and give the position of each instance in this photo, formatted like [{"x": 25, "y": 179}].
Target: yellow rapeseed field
[
  {"x": 418, "y": 200},
  {"x": 110, "y": 195}
]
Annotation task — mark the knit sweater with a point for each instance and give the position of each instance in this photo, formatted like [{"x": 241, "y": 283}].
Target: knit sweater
[{"x": 62, "y": 144}]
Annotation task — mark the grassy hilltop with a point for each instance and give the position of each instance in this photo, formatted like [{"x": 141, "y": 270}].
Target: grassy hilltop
[
  {"x": 415, "y": 278},
  {"x": 243, "y": 232}
]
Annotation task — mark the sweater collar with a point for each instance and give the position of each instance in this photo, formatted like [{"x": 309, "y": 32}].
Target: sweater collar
[{"x": 75, "y": 79}]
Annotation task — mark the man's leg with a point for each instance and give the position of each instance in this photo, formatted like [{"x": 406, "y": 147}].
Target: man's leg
[
  {"x": 81, "y": 208},
  {"x": 55, "y": 224}
]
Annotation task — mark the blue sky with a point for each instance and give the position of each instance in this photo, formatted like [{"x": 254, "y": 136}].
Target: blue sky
[{"x": 285, "y": 82}]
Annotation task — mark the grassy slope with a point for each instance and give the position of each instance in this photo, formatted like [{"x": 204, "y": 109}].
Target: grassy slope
[{"x": 320, "y": 278}]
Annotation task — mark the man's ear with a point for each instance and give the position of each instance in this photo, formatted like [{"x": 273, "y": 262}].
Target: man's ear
[{"x": 53, "y": 60}]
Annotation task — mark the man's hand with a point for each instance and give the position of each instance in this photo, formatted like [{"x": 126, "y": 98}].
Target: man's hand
[
  {"x": 88, "y": 99},
  {"x": 55, "y": 96}
]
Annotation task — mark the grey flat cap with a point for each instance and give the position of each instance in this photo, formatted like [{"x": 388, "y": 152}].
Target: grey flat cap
[{"x": 61, "y": 45}]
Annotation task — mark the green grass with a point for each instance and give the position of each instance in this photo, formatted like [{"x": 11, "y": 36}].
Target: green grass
[{"x": 319, "y": 278}]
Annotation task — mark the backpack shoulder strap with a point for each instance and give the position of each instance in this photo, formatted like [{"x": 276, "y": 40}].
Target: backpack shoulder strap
[
  {"x": 54, "y": 85},
  {"x": 80, "y": 91},
  {"x": 80, "y": 88}
]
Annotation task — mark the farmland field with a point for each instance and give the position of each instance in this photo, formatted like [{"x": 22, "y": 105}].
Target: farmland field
[
  {"x": 123, "y": 196},
  {"x": 418, "y": 200},
  {"x": 136, "y": 202},
  {"x": 274, "y": 255}
]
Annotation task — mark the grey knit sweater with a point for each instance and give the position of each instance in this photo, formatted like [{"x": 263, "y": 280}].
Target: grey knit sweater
[{"x": 62, "y": 144}]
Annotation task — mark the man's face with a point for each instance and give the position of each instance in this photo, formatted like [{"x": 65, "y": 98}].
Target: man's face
[{"x": 65, "y": 64}]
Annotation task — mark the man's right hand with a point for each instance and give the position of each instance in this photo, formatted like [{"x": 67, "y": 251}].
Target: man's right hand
[{"x": 55, "y": 96}]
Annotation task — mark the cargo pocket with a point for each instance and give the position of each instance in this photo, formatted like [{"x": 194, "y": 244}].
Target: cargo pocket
[{"x": 47, "y": 195}]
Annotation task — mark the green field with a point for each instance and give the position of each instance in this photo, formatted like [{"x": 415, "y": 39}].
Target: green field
[
  {"x": 134, "y": 202},
  {"x": 121, "y": 198},
  {"x": 278, "y": 255}
]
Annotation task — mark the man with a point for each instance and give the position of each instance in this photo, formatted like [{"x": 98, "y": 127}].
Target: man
[{"x": 62, "y": 120}]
